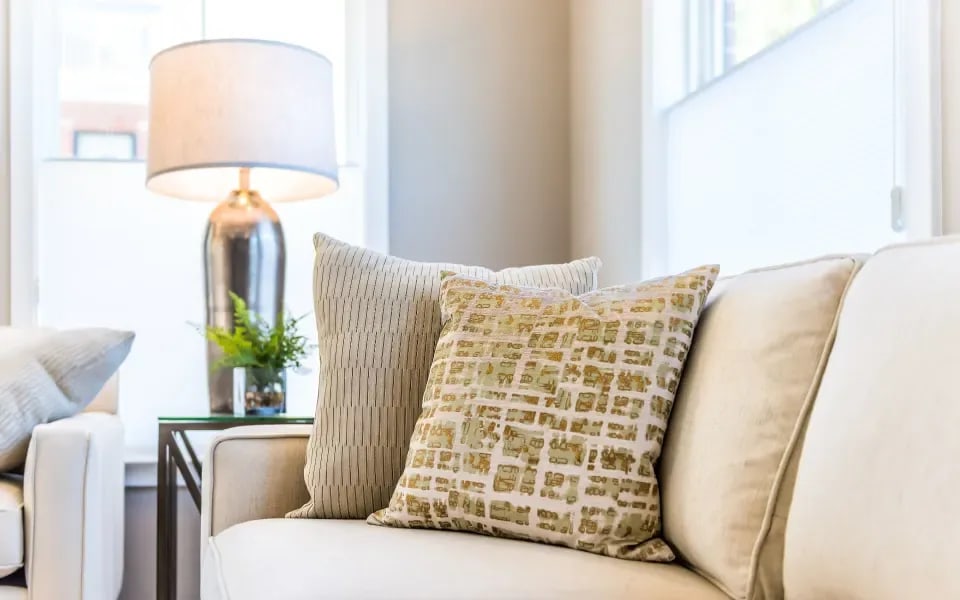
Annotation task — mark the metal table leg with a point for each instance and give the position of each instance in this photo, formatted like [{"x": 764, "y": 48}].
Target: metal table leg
[
  {"x": 166, "y": 516},
  {"x": 163, "y": 591}
]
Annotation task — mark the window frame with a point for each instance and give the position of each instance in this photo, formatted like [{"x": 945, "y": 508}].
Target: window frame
[{"x": 705, "y": 30}]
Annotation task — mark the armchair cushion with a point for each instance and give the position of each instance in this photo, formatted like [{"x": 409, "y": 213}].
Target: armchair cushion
[{"x": 11, "y": 524}]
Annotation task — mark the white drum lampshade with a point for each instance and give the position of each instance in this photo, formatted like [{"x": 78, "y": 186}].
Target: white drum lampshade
[
  {"x": 237, "y": 121},
  {"x": 219, "y": 105}
]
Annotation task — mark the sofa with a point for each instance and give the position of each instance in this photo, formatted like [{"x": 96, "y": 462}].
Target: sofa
[
  {"x": 61, "y": 520},
  {"x": 838, "y": 479}
]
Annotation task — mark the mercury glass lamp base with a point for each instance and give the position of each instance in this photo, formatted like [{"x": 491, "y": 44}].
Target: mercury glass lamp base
[{"x": 243, "y": 253}]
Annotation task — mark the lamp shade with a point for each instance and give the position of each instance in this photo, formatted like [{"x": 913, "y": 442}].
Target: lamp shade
[{"x": 217, "y": 105}]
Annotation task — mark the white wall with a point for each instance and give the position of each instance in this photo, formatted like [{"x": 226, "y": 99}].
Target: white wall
[
  {"x": 605, "y": 135},
  {"x": 479, "y": 152}
]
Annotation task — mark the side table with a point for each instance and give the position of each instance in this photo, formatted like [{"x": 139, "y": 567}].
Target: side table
[{"x": 176, "y": 455}]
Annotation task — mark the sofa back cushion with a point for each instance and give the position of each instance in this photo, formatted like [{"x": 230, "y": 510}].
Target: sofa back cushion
[
  {"x": 875, "y": 505},
  {"x": 730, "y": 452}
]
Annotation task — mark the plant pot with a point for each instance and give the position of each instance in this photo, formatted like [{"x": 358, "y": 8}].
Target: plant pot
[{"x": 259, "y": 391}]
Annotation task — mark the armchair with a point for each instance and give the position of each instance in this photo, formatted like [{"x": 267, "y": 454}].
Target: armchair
[{"x": 62, "y": 520}]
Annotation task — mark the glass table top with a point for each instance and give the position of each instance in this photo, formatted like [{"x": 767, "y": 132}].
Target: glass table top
[{"x": 246, "y": 419}]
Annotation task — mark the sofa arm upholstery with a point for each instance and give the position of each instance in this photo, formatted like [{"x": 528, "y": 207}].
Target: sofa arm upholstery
[
  {"x": 73, "y": 509},
  {"x": 253, "y": 472}
]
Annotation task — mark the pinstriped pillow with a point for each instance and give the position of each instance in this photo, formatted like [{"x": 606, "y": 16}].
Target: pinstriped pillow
[{"x": 378, "y": 321}]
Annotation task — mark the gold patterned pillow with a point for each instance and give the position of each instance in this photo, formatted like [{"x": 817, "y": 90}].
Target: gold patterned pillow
[{"x": 544, "y": 413}]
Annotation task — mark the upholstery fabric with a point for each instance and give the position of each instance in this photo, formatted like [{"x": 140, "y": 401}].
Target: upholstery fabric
[
  {"x": 80, "y": 361},
  {"x": 347, "y": 560},
  {"x": 377, "y": 325},
  {"x": 730, "y": 452},
  {"x": 11, "y": 524},
  {"x": 874, "y": 512},
  {"x": 47, "y": 375},
  {"x": 544, "y": 413},
  {"x": 107, "y": 399},
  {"x": 73, "y": 484},
  {"x": 252, "y": 472}
]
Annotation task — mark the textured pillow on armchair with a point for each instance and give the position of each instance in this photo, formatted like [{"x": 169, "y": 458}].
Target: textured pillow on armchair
[{"x": 46, "y": 375}]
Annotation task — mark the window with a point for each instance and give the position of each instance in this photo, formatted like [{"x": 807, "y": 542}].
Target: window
[
  {"x": 817, "y": 138},
  {"x": 94, "y": 248},
  {"x": 106, "y": 45},
  {"x": 724, "y": 33},
  {"x": 102, "y": 84}
]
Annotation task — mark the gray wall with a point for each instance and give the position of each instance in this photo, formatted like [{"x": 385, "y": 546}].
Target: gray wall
[
  {"x": 479, "y": 152},
  {"x": 140, "y": 546}
]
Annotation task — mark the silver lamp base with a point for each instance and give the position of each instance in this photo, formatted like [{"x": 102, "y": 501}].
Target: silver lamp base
[{"x": 244, "y": 254}]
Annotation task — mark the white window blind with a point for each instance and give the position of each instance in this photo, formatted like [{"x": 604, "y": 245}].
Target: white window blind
[{"x": 791, "y": 155}]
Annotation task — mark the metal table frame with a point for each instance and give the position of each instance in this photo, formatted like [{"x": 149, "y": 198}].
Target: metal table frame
[{"x": 176, "y": 455}]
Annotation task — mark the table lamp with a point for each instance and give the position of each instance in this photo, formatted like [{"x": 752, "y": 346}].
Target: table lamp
[{"x": 231, "y": 120}]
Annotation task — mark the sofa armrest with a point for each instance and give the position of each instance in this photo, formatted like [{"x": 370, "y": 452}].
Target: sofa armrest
[
  {"x": 253, "y": 472},
  {"x": 73, "y": 509}
]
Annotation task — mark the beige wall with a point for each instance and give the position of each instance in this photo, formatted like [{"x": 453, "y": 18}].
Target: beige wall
[
  {"x": 479, "y": 151},
  {"x": 950, "y": 81},
  {"x": 605, "y": 135}
]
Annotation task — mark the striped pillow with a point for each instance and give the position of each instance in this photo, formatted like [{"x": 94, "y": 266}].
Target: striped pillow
[
  {"x": 47, "y": 375},
  {"x": 378, "y": 321}
]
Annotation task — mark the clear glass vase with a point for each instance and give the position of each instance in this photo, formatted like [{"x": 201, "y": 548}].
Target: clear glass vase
[{"x": 259, "y": 391}]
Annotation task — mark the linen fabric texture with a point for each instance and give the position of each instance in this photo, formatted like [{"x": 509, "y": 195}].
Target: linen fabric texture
[
  {"x": 729, "y": 462},
  {"x": 47, "y": 375},
  {"x": 874, "y": 513},
  {"x": 545, "y": 412},
  {"x": 378, "y": 320}
]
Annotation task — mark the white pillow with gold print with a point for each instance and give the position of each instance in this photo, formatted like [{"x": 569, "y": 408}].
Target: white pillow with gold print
[{"x": 544, "y": 413}]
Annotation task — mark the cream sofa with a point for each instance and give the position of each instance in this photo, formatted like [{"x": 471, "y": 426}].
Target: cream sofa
[
  {"x": 812, "y": 454},
  {"x": 62, "y": 521}
]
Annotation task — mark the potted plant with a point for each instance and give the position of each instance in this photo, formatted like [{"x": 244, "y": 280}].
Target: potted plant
[{"x": 259, "y": 356}]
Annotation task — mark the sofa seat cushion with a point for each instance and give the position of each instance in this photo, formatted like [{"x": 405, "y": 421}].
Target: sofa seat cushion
[
  {"x": 11, "y": 524},
  {"x": 299, "y": 559}
]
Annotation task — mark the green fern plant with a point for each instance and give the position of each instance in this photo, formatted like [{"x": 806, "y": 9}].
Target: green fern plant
[{"x": 255, "y": 345}]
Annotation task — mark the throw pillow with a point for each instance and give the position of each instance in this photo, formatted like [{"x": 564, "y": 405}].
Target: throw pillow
[
  {"x": 378, "y": 320},
  {"x": 47, "y": 375},
  {"x": 545, "y": 412}
]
